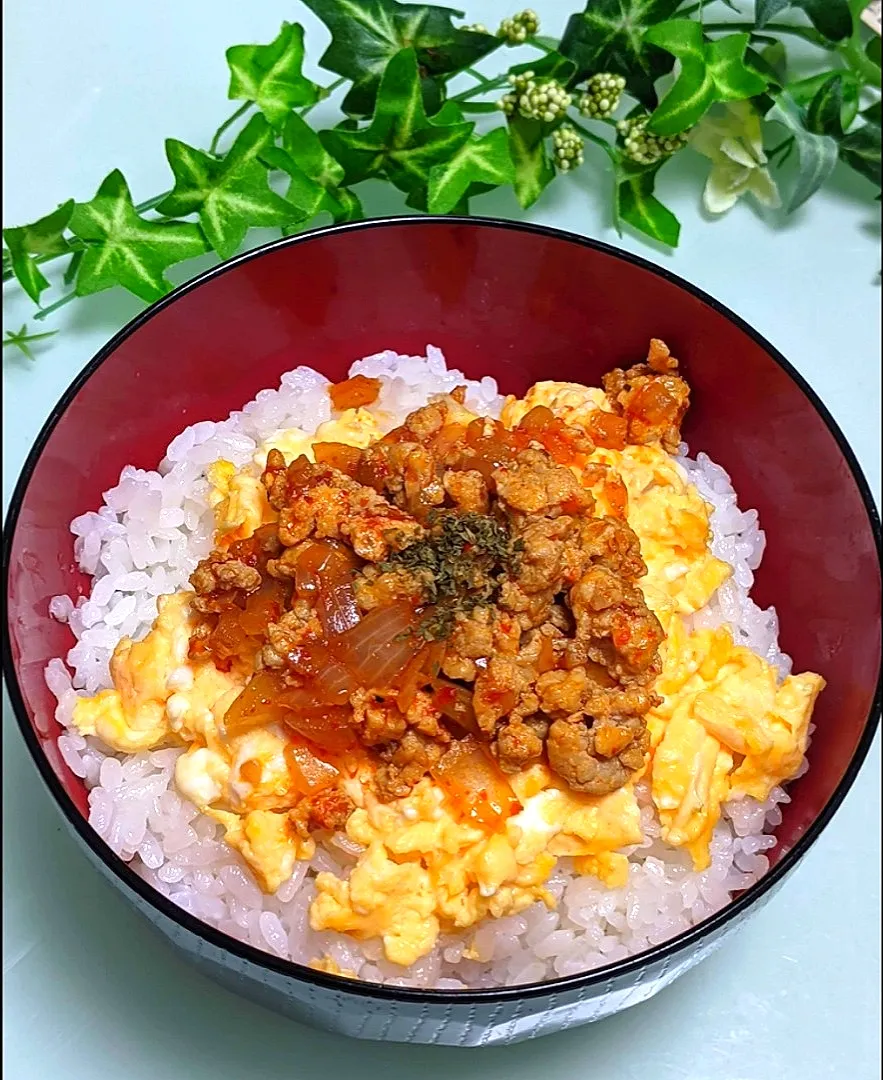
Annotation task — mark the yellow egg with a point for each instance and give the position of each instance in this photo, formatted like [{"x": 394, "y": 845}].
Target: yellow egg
[
  {"x": 239, "y": 501},
  {"x": 354, "y": 427},
  {"x": 573, "y": 402},
  {"x": 132, "y": 716},
  {"x": 425, "y": 869},
  {"x": 267, "y": 841}
]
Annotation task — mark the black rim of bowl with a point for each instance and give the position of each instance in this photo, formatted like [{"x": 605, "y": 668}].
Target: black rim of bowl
[{"x": 289, "y": 968}]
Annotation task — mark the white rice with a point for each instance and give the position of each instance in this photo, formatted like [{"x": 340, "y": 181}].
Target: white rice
[{"x": 145, "y": 540}]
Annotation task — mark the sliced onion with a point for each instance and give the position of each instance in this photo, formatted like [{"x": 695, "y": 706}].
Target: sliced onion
[
  {"x": 337, "y": 609},
  {"x": 455, "y": 702},
  {"x": 379, "y": 647},
  {"x": 475, "y": 784},
  {"x": 258, "y": 704},
  {"x": 308, "y": 772}
]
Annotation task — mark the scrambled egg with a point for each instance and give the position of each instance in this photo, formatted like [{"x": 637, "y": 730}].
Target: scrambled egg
[
  {"x": 355, "y": 427},
  {"x": 158, "y": 697},
  {"x": 424, "y": 869},
  {"x": 722, "y": 708}
]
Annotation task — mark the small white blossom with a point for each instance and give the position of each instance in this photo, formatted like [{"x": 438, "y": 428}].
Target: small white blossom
[{"x": 732, "y": 141}]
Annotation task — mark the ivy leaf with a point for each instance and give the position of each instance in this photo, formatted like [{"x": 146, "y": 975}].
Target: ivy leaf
[
  {"x": 829, "y": 112},
  {"x": 710, "y": 71},
  {"x": 832, "y": 18},
  {"x": 610, "y": 36},
  {"x": 42, "y": 237},
  {"x": 400, "y": 141},
  {"x": 308, "y": 153},
  {"x": 533, "y": 170},
  {"x": 309, "y": 197},
  {"x": 638, "y": 206},
  {"x": 22, "y": 340},
  {"x": 367, "y": 34},
  {"x": 817, "y": 154},
  {"x": 123, "y": 248},
  {"x": 350, "y": 206},
  {"x": 481, "y": 160},
  {"x": 232, "y": 195},
  {"x": 551, "y": 66},
  {"x": 803, "y": 91},
  {"x": 871, "y": 114},
  {"x": 860, "y": 150},
  {"x": 270, "y": 75}
]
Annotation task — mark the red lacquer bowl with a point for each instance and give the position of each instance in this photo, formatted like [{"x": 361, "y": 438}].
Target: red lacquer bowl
[{"x": 520, "y": 303}]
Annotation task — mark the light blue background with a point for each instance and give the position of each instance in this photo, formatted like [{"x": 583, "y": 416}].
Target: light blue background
[{"x": 89, "y": 990}]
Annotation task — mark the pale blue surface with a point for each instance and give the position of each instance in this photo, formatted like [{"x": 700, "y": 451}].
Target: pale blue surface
[{"x": 89, "y": 990}]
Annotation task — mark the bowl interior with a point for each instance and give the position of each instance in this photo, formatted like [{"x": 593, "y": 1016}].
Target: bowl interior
[{"x": 515, "y": 303}]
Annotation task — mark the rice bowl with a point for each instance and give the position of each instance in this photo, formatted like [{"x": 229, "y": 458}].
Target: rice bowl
[{"x": 146, "y": 540}]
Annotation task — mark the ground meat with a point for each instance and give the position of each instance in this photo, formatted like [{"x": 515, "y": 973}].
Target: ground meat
[
  {"x": 221, "y": 581},
  {"x": 651, "y": 398},
  {"x": 574, "y": 754},
  {"x": 296, "y": 626},
  {"x": 519, "y": 743},
  {"x": 468, "y": 490},
  {"x": 549, "y": 555},
  {"x": 377, "y": 721},
  {"x": 328, "y": 809},
  {"x": 535, "y": 485},
  {"x": 318, "y": 501},
  {"x": 498, "y": 689},
  {"x": 519, "y": 592},
  {"x": 405, "y": 763},
  {"x": 612, "y": 543},
  {"x": 614, "y": 626}
]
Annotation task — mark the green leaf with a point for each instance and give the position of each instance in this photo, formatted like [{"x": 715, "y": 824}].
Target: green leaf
[
  {"x": 860, "y": 150},
  {"x": 43, "y": 237},
  {"x": 817, "y": 154},
  {"x": 609, "y": 36},
  {"x": 873, "y": 50},
  {"x": 871, "y": 114},
  {"x": 533, "y": 170},
  {"x": 125, "y": 249},
  {"x": 484, "y": 159},
  {"x": 231, "y": 196},
  {"x": 825, "y": 112},
  {"x": 638, "y": 206},
  {"x": 710, "y": 71},
  {"x": 350, "y": 207},
  {"x": 367, "y": 34},
  {"x": 401, "y": 141},
  {"x": 308, "y": 153},
  {"x": 551, "y": 66},
  {"x": 832, "y": 18},
  {"x": 271, "y": 76},
  {"x": 308, "y": 196},
  {"x": 22, "y": 340}
]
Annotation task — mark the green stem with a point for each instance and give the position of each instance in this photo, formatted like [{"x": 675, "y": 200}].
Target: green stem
[
  {"x": 853, "y": 53},
  {"x": 592, "y": 137},
  {"x": 43, "y": 312},
  {"x": 241, "y": 111},
  {"x": 489, "y": 84},
  {"x": 812, "y": 36},
  {"x": 539, "y": 45},
  {"x": 329, "y": 90}
]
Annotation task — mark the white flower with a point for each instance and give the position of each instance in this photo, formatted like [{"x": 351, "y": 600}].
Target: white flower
[{"x": 734, "y": 144}]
